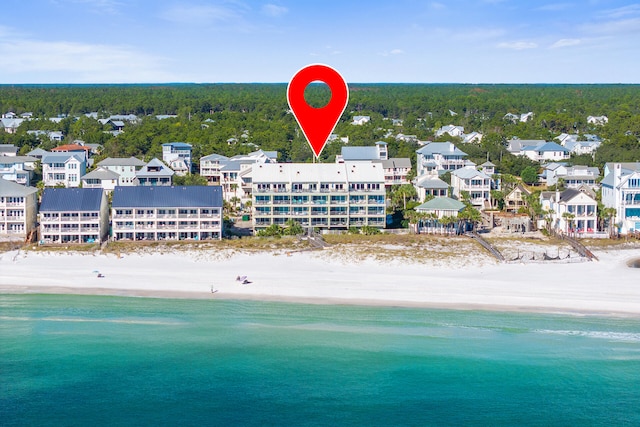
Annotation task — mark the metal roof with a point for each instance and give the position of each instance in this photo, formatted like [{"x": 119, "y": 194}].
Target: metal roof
[
  {"x": 117, "y": 161},
  {"x": 101, "y": 174},
  {"x": 360, "y": 153},
  {"x": 432, "y": 182},
  {"x": 441, "y": 203},
  {"x": 11, "y": 189},
  {"x": 197, "y": 196},
  {"x": 443, "y": 148},
  {"x": 61, "y": 158},
  {"x": 71, "y": 199}
]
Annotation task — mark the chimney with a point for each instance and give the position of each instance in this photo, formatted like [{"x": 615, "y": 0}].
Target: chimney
[{"x": 617, "y": 174}]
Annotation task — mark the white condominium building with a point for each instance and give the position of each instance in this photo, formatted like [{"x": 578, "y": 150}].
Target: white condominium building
[{"x": 322, "y": 195}]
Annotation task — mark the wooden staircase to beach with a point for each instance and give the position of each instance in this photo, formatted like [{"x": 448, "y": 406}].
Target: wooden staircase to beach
[{"x": 488, "y": 246}]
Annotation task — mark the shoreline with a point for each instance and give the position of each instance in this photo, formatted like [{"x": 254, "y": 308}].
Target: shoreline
[
  {"x": 340, "y": 275},
  {"x": 185, "y": 295}
]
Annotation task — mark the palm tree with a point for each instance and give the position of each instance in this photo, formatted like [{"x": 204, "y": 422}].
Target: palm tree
[
  {"x": 568, "y": 217},
  {"x": 609, "y": 213}
]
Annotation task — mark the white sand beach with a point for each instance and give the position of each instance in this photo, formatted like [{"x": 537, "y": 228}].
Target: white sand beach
[{"x": 607, "y": 286}]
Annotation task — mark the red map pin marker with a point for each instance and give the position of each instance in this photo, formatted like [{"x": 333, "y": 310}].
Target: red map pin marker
[{"x": 317, "y": 123}]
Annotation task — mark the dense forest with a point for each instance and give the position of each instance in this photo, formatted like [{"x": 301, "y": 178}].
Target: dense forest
[{"x": 233, "y": 119}]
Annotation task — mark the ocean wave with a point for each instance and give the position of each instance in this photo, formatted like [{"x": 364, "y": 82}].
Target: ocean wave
[
  {"x": 605, "y": 335},
  {"x": 88, "y": 320}
]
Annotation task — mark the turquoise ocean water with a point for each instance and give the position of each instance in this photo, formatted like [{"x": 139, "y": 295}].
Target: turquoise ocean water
[{"x": 83, "y": 360}]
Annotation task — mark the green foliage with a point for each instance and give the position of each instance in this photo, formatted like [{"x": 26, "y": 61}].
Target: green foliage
[
  {"x": 529, "y": 175},
  {"x": 274, "y": 230},
  {"x": 189, "y": 179},
  {"x": 232, "y": 119},
  {"x": 293, "y": 228}
]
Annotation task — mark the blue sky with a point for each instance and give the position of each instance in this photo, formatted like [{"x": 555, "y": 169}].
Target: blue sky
[{"x": 405, "y": 41}]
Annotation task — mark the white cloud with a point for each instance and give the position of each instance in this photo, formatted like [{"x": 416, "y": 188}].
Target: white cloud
[
  {"x": 555, "y": 7},
  {"x": 77, "y": 62},
  {"x": 274, "y": 10},
  {"x": 436, "y": 5},
  {"x": 392, "y": 52},
  {"x": 519, "y": 45},
  {"x": 620, "y": 12},
  {"x": 623, "y": 27},
  {"x": 111, "y": 7},
  {"x": 201, "y": 14},
  {"x": 565, "y": 43}
]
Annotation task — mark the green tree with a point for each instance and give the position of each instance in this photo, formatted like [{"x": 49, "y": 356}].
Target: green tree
[{"x": 529, "y": 175}]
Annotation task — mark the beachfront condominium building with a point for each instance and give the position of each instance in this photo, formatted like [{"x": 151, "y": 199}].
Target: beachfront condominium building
[
  {"x": 18, "y": 209},
  {"x": 621, "y": 191},
  {"x": 74, "y": 215},
  {"x": 319, "y": 195},
  {"x": 63, "y": 169},
  {"x": 167, "y": 213}
]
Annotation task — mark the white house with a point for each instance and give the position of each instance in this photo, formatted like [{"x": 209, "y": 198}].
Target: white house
[
  {"x": 439, "y": 157},
  {"x": 322, "y": 195},
  {"x": 395, "y": 169},
  {"x": 63, "y": 168},
  {"x": 234, "y": 174},
  {"x": 430, "y": 186},
  {"x": 177, "y": 155},
  {"x": 474, "y": 182},
  {"x": 524, "y": 117},
  {"x": 101, "y": 178},
  {"x": 18, "y": 169},
  {"x": 452, "y": 130},
  {"x": 126, "y": 169},
  {"x": 547, "y": 151},
  {"x": 167, "y": 213},
  {"x": 598, "y": 120},
  {"x": 573, "y": 176},
  {"x": 571, "y": 211},
  {"x": 154, "y": 173},
  {"x": 472, "y": 138},
  {"x": 360, "y": 120},
  {"x": 8, "y": 150},
  {"x": 74, "y": 215},
  {"x": 18, "y": 210},
  {"x": 621, "y": 191}
]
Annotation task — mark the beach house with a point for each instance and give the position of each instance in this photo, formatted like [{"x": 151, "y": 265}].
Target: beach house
[
  {"x": 155, "y": 173},
  {"x": 167, "y": 213},
  {"x": 570, "y": 211},
  {"x": 319, "y": 195},
  {"x": 126, "y": 169},
  {"x": 178, "y": 156},
  {"x": 396, "y": 169},
  {"x": 63, "y": 169},
  {"x": 438, "y": 158},
  {"x": 621, "y": 191},
  {"x": 74, "y": 215},
  {"x": 573, "y": 176},
  {"x": 18, "y": 169},
  {"x": 18, "y": 209},
  {"x": 100, "y": 178},
  {"x": 475, "y": 183}
]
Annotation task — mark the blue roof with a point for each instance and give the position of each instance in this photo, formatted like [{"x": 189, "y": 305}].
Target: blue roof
[
  {"x": 177, "y": 144},
  {"x": 196, "y": 196},
  {"x": 360, "y": 153},
  {"x": 71, "y": 199},
  {"x": 443, "y": 148}
]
